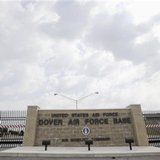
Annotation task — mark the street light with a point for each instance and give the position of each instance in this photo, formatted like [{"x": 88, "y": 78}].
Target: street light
[{"x": 76, "y": 100}]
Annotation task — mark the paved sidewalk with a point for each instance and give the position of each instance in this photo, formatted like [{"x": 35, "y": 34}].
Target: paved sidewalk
[{"x": 119, "y": 151}]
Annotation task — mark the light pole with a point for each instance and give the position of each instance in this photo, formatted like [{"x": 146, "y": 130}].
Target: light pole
[{"x": 76, "y": 100}]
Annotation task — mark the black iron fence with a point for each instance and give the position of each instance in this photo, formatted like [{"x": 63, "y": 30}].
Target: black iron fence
[
  {"x": 12, "y": 128},
  {"x": 152, "y": 122}
]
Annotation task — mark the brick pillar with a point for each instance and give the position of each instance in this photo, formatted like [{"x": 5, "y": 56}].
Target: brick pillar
[
  {"x": 31, "y": 124},
  {"x": 141, "y": 138}
]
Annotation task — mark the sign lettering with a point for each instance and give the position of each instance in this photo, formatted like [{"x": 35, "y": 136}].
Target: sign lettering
[{"x": 73, "y": 119}]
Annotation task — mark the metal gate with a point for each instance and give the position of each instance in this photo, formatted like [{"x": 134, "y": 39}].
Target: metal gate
[
  {"x": 12, "y": 127},
  {"x": 152, "y": 122}
]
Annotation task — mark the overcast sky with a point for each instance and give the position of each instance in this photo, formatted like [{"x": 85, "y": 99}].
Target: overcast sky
[{"x": 76, "y": 48}]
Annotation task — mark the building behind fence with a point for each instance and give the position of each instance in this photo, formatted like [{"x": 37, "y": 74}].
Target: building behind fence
[{"x": 12, "y": 128}]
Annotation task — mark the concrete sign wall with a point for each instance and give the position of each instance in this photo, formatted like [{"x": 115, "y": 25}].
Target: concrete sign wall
[{"x": 107, "y": 127}]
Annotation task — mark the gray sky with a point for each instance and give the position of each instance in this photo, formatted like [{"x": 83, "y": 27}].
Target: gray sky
[{"x": 76, "y": 48}]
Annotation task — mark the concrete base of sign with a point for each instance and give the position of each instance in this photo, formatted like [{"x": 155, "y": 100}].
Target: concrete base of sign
[{"x": 81, "y": 153}]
